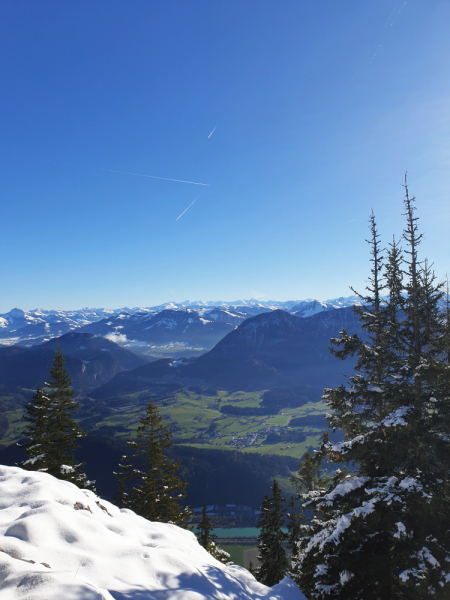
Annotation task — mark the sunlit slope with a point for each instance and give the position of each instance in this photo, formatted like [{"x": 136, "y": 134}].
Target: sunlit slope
[
  {"x": 269, "y": 350},
  {"x": 58, "y": 541}
]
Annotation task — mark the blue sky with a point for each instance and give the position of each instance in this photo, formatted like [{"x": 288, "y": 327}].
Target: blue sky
[{"x": 319, "y": 109}]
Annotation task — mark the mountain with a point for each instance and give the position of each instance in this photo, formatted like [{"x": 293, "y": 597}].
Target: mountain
[
  {"x": 296, "y": 348},
  {"x": 195, "y": 325},
  {"x": 274, "y": 349},
  {"x": 38, "y": 325},
  {"x": 189, "y": 327},
  {"x": 61, "y": 542},
  {"x": 91, "y": 361},
  {"x": 345, "y": 301},
  {"x": 307, "y": 308},
  {"x": 98, "y": 350},
  {"x": 252, "y": 303}
]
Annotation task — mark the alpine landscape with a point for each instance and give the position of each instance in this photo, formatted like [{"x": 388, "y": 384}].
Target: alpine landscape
[{"x": 289, "y": 440}]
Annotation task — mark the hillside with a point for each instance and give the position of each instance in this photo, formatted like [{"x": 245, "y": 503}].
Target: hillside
[
  {"x": 297, "y": 348},
  {"x": 62, "y": 542},
  {"x": 91, "y": 361},
  {"x": 213, "y": 476},
  {"x": 274, "y": 349}
]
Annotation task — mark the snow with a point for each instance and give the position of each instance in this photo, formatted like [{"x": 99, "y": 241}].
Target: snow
[
  {"x": 66, "y": 469},
  {"x": 374, "y": 388},
  {"x": 60, "y": 542},
  {"x": 393, "y": 419},
  {"x": 409, "y": 483},
  {"x": 345, "y": 576},
  {"x": 175, "y": 363},
  {"x": 396, "y": 418},
  {"x": 401, "y": 530},
  {"x": 31, "y": 461},
  {"x": 345, "y": 446},
  {"x": 344, "y": 488},
  {"x": 386, "y": 490}
]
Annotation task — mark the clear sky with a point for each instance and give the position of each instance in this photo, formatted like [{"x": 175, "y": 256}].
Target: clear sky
[{"x": 318, "y": 109}]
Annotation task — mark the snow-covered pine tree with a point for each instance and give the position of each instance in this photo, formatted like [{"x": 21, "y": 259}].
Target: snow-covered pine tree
[
  {"x": 36, "y": 435},
  {"x": 382, "y": 532},
  {"x": 219, "y": 553},
  {"x": 63, "y": 432},
  {"x": 157, "y": 490},
  {"x": 274, "y": 563},
  {"x": 307, "y": 479}
]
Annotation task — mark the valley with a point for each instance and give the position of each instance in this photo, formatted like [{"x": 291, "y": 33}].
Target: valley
[
  {"x": 202, "y": 421},
  {"x": 256, "y": 393}
]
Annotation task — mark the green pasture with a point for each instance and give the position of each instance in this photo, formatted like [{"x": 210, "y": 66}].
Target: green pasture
[
  {"x": 197, "y": 421},
  {"x": 16, "y": 424},
  {"x": 236, "y": 553}
]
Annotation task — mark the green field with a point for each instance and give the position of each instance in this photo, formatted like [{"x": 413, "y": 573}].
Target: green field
[
  {"x": 15, "y": 427},
  {"x": 236, "y": 553},
  {"x": 197, "y": 420}
]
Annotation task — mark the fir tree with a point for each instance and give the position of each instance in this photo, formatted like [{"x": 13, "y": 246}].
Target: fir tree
[
  {"x": 205, "y": 529},
  {"x": 206, "y": 538},
  {"x": 294, "y": 527},
  {"x": 51, "y": 432},
  {"x": 253, "y": 570},
  {"x": 381, "y": 532},
  {"x": 274, "y": 563},
  {"x": 308, "y": 477},
  {"x": 36, "y": 445},
  {"x": 63, "y": 432},
  {"x": 157, "y": 489}
]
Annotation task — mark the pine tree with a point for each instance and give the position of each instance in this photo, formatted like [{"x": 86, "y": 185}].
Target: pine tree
[
  {"x": 51, "y": 432},
  {"x": 274, "y": 563},
  {"x": 36, "y": 445},
  {"x": 206, "y": 538},
  {"x": 308, "y": 477},
  {"x": 219, "y": 553},
  {"x": 157, "y": 490},
  {"x": 205, "y": 529},
  {"x": 63, "y": 432},
  {"x": 381, "y": 532},
  {"x": 294, "y": 527}
]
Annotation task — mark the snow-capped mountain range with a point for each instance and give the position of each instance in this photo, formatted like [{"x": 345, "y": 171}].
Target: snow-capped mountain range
[{"x": 192, "y": 323}]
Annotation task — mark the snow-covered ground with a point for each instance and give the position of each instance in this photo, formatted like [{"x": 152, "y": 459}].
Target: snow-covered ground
[{"x": 58, "y": 542}]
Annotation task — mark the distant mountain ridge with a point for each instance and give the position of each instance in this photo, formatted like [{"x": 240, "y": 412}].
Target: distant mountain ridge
[
  {"x": 38, "y": 325},
  {"x": 273, "y": 349},
  {"x": 217, "y": 318},
  {"x": 91, "y": 361}
]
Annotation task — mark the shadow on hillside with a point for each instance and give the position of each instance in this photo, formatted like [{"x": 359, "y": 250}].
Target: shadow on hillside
[{"x": 210, "y": 582}]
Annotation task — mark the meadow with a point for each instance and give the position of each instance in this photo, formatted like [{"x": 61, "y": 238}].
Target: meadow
[{"x": 200, "y": 419}]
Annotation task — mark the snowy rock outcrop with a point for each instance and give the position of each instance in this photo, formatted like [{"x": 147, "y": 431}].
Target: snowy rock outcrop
[{"x": 58, "y": 542}]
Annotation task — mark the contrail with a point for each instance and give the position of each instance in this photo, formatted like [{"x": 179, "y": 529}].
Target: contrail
[
  {"x": 127, "y": 173},
  {"x": 151, "y": 176},
  {"x": 187, "y": 208},
  {"x": 212, "y": 132}
]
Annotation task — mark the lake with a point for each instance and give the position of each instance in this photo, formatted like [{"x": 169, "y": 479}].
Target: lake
[{"x": 232, "y": 532}]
